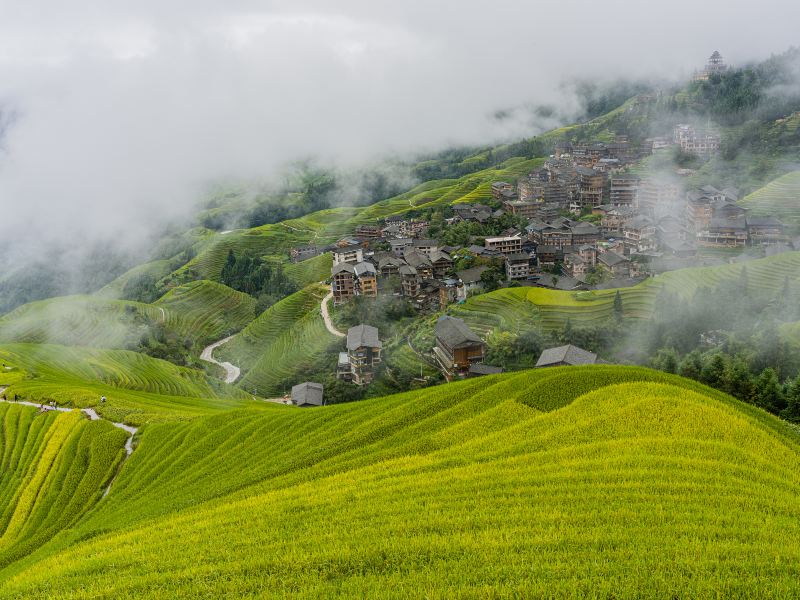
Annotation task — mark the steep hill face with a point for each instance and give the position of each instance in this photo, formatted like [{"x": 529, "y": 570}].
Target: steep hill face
[
  {"x": 575, "y": 481},
  {"x": 54, "y": 468}
]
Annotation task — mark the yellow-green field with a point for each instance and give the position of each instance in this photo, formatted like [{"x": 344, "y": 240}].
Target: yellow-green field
[
  {"x": 139, "y": 389},
  {"x": 780, "y": 198},
  {"x": 592, "y": 481},
  {"x": 515, "y": 308}
]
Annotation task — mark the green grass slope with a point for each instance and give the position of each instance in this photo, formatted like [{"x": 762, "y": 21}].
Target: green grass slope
[
  {"x": 780, "y": 197},
  {"x": 79, "y": 321},
  {"x": 139, "y": 389},
  {"x": 199, "y": 311},
  {"x": 593, "y": 481},
  {"x": 154, "y": 270},
  {"x": 206, "y": 310},
  {"x": 282, "y": 345},
  {"x": 312, "y": 270},
  {"x": 514, "y": 309},
  {"x": 54, "y": 467}
]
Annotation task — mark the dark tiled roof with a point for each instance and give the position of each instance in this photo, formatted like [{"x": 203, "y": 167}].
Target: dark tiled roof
[
  {"x": 472, "y": 275},
  {"x": 307, "y": 394},
  {"x": 454, "y": 332},
  {"x": 482, "y": 369},
  {"x": 363, "y": 335},
  {"x": 611, "y": 259},
  {"x": 364, "y": 268},
  {"x": 342, "y": 267},
  {"x": 571, "y": 355}
]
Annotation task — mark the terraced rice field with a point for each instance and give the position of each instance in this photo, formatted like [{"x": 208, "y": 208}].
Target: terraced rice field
[
  {"x": 156, "y": 269},
  {"x": 591, "y": 481},
  {"x": 516, "y": 309},
  {"x": 312, "y": 270},
  {"x": 79, "y": 321},
  {"x": 780, "y": 198},
  {"x": 139, "y": 388},
  {"x": 509, "y": 310},
  {"x": 54, "y": 468},
  {"x": 282, "y": 345},
  {"x": 402, "y": 360},
  {"x": 206, "y": 310}
]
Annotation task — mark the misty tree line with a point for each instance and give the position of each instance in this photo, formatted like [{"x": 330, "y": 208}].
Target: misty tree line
[{"x": 727, "y": 337}]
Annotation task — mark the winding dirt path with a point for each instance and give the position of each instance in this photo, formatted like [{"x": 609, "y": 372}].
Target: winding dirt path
[
  {"x": 231, "y": 372},
  {"x": 93, "y": 416},
  {"x": 326, "y": 316}
]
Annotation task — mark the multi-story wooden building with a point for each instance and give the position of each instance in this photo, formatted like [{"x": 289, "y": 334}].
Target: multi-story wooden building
[
  {"x": 702, "y": 142},
  {"x": 457, "y": 346},
  {"x": 591, "y": 188},
  {"x": 504, "y": 244},
  {"x": 518, "y": 266},
  {"x": 351, "y": 253},
  {"x": 624, "y": 190},
  {"x": 729, "y": 233},
  {"x": 364, "y": 353},
  {"x": 343, "y": 281},
  {"x": 500, "y": 190},
  {"x": 368, "y": 232},
  {"x": 640, "y": 234},
  {"x": 366, "y": 280},
  {"x": 409, "y": 281},
  {"x": 765, "y": 231},
  {"x": 521, "y": 208}
]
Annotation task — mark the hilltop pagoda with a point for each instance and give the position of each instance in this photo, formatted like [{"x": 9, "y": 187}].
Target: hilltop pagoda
[{"x": 715, "y": 65}]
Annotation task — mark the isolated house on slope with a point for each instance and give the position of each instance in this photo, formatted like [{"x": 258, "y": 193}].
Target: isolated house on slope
[
  {"x": 457, "y": 346},
  {"x": 566, "y": 356},
  {"x": 308, "y": 394},
  {"x": 364, "y": 352}
]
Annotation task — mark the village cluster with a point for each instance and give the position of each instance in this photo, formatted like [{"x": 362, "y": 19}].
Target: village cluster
[{"x": 592, "y": 221}]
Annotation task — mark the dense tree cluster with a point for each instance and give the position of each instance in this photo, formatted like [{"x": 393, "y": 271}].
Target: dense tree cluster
[{"x": 253, "y": 275}]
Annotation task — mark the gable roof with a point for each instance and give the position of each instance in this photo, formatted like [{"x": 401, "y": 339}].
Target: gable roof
[
  {"x": 454, "y": 332},
  {"x": 482, "y": 369},
  {"x": 416, "y": 259},
  {"x": 569, "y": 354},
  {"x": 363, "y": 336},
  {"x": 390, "y": 261},
  {"x": 342, "y": 267},
  {"x": 437, "y": 255},
  {"x": 472, "y": 275},
  {"x": 364, "y": 268},
  {"x": 611, "y": 259},
  {"x": 308, "y": 393}
]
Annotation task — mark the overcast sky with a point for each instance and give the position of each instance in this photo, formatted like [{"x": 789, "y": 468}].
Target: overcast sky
[{"x": 124, "y": 109}]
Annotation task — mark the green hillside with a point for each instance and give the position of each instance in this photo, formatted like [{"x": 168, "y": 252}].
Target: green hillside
[
  {"x": 54, "y": 468},
  {"x": 780, "y": 198},
  {"x": 600, "y": 481},
  {"x": 515, "y": 308},
  {"x": 206, "y": 310},
  {"x": 153, "y": 271},
  {"x": 327, "y": 226},
  {"x": 283, "y": 345},
  {"x": 139, "y": 388},
  {"x": 79, "y": 321},
  {"x": 309, "y": 271}
]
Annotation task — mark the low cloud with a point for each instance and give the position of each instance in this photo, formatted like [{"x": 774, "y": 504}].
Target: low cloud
[{"x": 122, "y": 115}]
